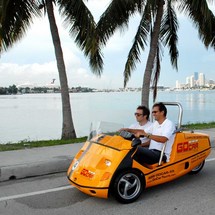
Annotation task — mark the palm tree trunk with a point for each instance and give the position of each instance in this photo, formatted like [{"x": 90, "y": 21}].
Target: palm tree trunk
[
  {"x": 68, "y": 130},
  {"x": 151, "y": 56}
]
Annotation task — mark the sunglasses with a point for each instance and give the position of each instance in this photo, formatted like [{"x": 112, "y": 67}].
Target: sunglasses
[{"x": 138, "y": 114}]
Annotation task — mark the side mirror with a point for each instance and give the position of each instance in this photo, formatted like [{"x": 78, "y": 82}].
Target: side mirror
[{"x": 135, "y": 142}]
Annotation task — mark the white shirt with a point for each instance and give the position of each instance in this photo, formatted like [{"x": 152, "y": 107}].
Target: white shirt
[
  {"x": 165, "y": 129},
  {"x": 141, "y": 127}
]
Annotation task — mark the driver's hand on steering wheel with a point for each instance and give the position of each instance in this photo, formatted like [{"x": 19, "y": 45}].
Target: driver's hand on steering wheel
[
  {"x": 122, "y": 129},
  {"x": 140, "y": 133}
]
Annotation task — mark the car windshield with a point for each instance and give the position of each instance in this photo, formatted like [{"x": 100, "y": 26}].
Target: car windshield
[{"x": 102, "y": 127}]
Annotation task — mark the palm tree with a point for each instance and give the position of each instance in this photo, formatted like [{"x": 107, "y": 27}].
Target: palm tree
[
  {"x": 158, "y": 23},
  {"x": 17, "y": 15}
]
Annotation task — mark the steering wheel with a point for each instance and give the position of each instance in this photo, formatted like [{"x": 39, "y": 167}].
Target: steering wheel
[{"x": 127, "y": 135}]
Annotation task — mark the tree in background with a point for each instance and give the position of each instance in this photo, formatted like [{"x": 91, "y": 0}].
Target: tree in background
[
  {"x": 3, "y": 90},
  {"x": 159, "y": 25},
  {"x": 13, "y": 89},
  {"x": 16, "y": 16}
]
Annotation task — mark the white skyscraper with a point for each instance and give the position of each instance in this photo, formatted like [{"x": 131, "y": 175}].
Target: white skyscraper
[
  {"x": 188, "y": 81},
  {"x": 201, "y": 79},
  {"x": 192, "y": 81},
  {"x": 177, "y": 85}
]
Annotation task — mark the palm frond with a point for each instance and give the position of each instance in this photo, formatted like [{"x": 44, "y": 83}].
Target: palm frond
[
  {"x": 140, "y": 41},
  {"x": 116, "y": 16},
  {"x": 168, "y": 33},
  {"x": 96, "y": 62},
  {"x": 203, "y": 19},
  {"x": 78, "y": 19},
  {"x": 81, "y": 24},
  {"x": 153, "y": 5},
  {"x": 15, "y": 18},
  {"x": 156, "y": 71}
]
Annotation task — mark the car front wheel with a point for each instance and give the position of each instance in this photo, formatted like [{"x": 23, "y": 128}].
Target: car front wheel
[{"x": 128, "y": 186}]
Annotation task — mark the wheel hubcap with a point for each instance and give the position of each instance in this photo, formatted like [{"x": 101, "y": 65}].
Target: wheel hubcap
[{"x": 129, "y": 186}]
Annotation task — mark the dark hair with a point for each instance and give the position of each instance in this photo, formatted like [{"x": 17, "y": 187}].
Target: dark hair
[
  {"x": 145, "y": 110},
  {"x": 161, "y": 107}
]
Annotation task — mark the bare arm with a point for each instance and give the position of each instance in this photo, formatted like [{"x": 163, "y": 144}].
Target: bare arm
[
  {"x": 131, "y": 130},
  {"x": 156, "y": 138},
  {"x": 136, "y": 132}
]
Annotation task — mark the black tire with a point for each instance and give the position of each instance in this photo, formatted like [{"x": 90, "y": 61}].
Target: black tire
[
  {"x": 128, "y": 186},
  {"x": 197, "y": 169}
]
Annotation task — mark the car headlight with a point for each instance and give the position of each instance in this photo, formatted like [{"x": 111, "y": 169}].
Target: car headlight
[
  {"x": 75, "y": 165},
  {"x": 107, "y": 162}
]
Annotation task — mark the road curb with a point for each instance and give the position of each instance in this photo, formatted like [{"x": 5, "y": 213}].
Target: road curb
[
  {"x": 34, "y": 169},
  {"x": 35, "y": 162}
]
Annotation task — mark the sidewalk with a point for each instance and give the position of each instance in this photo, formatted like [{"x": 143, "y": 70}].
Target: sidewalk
[
  {"x": 46, "y": 160},
  {"x": 36, "y": 161}
]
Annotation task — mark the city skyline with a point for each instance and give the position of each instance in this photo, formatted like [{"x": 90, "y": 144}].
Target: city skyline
[{"x": 195, "y": 80}]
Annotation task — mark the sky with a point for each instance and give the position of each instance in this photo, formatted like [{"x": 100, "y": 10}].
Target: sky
[{"x": 31, "y": 61}]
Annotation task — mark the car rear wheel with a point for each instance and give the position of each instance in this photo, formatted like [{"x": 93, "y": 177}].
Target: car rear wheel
[
  {"x": 128, "y": 186},
  {"x": 197, "y": 169}
]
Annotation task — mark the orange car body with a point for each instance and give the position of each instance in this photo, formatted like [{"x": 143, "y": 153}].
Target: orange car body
[{"x": 100, "y": 160}]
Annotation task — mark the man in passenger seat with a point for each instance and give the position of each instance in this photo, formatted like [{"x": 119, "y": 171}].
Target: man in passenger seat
[
  {"x": 159, "y": 133},
  {"x": 142, "y": 122}
]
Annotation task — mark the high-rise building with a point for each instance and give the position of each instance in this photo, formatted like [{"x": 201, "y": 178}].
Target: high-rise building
[
  {"x": 188, "y": 81},
  {"x": 201, "y": 79},
  {"x": 192, "y": 81},
  {"x": 196, "y": 76},
  {"x": 177, "y": 85}
]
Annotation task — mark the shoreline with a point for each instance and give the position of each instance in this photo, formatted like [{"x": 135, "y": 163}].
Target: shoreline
[{"x": 119, "y": 90}]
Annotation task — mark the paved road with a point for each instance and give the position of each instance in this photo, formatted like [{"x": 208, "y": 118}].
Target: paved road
[{"x": 52, "y": 195}]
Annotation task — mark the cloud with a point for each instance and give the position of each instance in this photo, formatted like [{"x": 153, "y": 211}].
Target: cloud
[
  {"x": 41, "y": 74},
  {"x": 32, "y": 60},
  {"x": 37, "y": 74}
]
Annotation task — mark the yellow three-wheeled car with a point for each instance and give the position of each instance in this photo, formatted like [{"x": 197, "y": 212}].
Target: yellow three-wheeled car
[{"x": 105, "y": 166}]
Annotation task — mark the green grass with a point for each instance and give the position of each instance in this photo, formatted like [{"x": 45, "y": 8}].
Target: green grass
[
  {"x": 32, "y": 144},
  {"x": 200, "y": 125}
]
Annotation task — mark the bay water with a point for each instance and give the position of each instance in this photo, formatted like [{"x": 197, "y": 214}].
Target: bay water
[{"x": 39, "y": 116}]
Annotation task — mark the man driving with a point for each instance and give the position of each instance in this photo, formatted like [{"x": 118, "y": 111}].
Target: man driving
[{"x": 159, "y": 133}]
